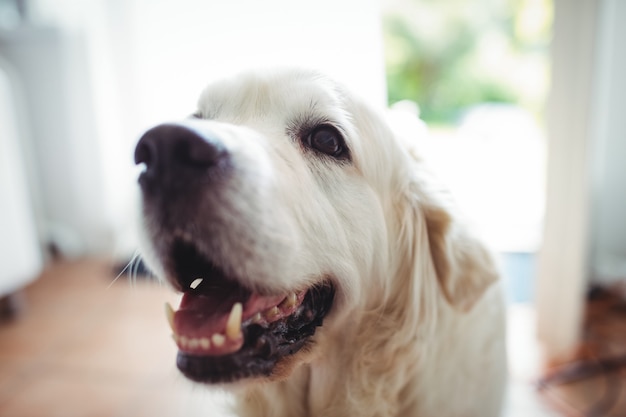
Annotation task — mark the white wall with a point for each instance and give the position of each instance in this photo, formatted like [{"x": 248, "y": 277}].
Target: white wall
[
  {"x": 149, "y": 59},
  {"x": 65, "y": 174},
  {"x": 608, "y": 257},
  {"x": 20, "y": 254}
]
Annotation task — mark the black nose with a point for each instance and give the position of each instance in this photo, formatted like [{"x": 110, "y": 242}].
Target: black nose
[{"x": 177, "y": 156}]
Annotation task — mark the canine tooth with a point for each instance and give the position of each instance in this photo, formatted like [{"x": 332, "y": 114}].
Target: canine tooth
[
  {"x": 233, "y": 325},
  {"x": 205, "y": 343},
  {"x": 169, "y": 313},
  {"x": 193, "y": 343},
  {"x": 196, "y": 282},
  {"x": 272, "y": 313},
  {"x": 218, "y": 339}
]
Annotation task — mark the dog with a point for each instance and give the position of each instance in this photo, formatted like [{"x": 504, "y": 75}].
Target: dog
[{"x": 323, "y": 270}]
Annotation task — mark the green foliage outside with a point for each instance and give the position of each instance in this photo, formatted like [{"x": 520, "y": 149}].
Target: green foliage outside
[{"x": 448, "y": 55}]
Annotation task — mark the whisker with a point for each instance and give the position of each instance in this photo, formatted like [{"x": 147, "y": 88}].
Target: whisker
[
  {"x": 133, "y": 272},
  {"x": 130, "y": 265}
]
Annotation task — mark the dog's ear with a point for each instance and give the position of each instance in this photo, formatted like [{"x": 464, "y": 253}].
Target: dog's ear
[
  {"x": 463, "y": 266},
  {"x": 428, "y": 226}
]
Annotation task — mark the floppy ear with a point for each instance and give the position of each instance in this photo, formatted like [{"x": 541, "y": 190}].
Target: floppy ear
[
  {"x": 463, "y": 266},
  {"x": 428, "y": 226}
]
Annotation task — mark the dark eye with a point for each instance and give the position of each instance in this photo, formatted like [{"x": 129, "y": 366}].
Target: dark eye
[{"x": 326, "y": 139}]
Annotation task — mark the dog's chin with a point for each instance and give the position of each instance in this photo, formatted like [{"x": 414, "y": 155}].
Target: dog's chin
[{"x": 228, "y": 333}]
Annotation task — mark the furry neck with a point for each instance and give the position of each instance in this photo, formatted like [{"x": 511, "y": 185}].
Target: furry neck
[
  {"x": 371, "y": 356},
  {"x": 364, "y": 370}
]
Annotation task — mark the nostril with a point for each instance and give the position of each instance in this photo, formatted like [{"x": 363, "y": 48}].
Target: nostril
[{"x": 144, "y": 154}]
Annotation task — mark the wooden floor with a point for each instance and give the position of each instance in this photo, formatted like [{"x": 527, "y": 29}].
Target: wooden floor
[
  {"x": 593, "y": 384},
  {"x": 87, "y": 346}
]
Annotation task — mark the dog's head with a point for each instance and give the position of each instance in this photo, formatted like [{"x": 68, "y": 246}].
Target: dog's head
[{"x": 283, "y": 204}]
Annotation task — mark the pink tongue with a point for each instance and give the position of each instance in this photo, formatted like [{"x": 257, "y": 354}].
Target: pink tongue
[{"x": 202, "y": 315}]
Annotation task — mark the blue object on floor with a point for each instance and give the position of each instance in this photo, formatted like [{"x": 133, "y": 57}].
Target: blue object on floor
[{"x": 518, "y": 269}]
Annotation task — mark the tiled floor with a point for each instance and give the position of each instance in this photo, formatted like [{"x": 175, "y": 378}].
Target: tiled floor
[{"x": 88, "y": 347}]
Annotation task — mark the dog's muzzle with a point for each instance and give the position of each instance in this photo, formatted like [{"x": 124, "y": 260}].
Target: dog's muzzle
[{"x": 225, "y": 328}]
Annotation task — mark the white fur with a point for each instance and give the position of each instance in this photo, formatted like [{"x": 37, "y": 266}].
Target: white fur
[{"x": 417, "y": 325}]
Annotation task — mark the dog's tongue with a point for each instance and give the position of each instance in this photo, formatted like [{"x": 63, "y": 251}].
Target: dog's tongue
[
  {"x": 204, "y": 314},
  {"x": 202, "y": 320}
]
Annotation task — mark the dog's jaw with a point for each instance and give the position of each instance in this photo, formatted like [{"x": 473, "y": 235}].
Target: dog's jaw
[
  {"x": 253, "y": 344},
  {"x": 226, "y": 331}
]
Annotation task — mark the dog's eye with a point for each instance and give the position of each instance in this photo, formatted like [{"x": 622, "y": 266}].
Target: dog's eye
[{"x": 326, "y": 139}]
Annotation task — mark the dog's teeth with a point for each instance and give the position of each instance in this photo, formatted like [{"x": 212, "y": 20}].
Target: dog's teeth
[
  {"x": 182, "y": 340},
  {"x": 256, "y": 318},
  {"x": 169, "y": 313},
  {"x": 196, "y": 282},
  {"x": 233, "y": 325},
  {"x": 205, "y": 343},
  {"x": 218, "y": 339},
  {"x": 272, "y": 313},
  {"x": 193, "y": 343},
  {"x": 289, "y": 301},
  {"x": 292, "y": 298}
]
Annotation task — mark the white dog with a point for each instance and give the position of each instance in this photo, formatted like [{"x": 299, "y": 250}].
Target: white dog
[{"x": 323, "y": 273}]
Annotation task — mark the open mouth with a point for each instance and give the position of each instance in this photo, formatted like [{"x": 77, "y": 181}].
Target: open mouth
[{"x": 226, "y": 332}]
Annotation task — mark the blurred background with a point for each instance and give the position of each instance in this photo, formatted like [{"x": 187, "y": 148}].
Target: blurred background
[{"x": 519, "y": 105}]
